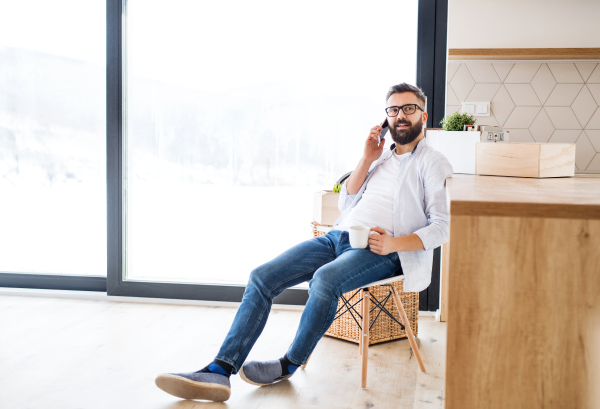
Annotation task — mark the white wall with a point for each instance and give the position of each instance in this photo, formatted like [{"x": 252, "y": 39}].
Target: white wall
[{"x": 523, "y": 23}]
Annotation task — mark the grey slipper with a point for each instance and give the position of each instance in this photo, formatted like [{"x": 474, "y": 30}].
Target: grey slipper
[
  {"x": 262, "y": 373},
  {"x": 195, "y": 385}
]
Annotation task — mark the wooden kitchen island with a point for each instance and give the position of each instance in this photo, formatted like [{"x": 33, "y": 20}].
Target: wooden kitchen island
[{"x": 522, "y": 292}]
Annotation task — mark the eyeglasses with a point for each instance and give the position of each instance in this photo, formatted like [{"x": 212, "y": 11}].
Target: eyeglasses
[{"x": 408, "y": 109}]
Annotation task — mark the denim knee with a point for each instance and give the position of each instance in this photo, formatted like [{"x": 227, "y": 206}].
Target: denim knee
[
  {"x": 258, "y": 280},
  {"x": 322, "y": 285}
]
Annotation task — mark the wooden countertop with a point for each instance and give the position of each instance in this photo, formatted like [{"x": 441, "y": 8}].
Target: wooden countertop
[{"x": 575, "y": 197}]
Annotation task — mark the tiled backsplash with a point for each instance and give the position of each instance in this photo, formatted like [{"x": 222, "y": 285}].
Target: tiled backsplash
[{"x": 535, "y": 101}]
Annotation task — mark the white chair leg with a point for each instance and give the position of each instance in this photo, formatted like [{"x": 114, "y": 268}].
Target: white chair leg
[
  {"x": 409, "y": 333},
  {"x": 365, "y": 339}
]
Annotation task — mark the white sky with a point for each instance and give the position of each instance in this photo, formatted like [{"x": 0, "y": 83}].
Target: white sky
[
  {"x": 348, "y": 48},
  {"x": 219, "y": 45},
  {"x": 70, "y": 28}
]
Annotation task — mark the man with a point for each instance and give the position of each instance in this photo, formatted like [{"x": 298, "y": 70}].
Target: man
[{"x": 399, "y": 194}]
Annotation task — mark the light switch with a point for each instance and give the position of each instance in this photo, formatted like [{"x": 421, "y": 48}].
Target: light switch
[{"x": 476, "y": 108}]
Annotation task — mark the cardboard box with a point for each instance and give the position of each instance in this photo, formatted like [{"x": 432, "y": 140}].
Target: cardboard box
[
  {"x": 325, "y": 207},
  {"x": 530, "y": 160}
]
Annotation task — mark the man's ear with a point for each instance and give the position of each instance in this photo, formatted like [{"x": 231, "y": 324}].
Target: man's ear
[{"x": 425, "y": 118}]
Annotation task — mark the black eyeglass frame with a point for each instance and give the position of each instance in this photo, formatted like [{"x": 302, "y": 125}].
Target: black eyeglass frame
[{"x": 402, "y": 108}]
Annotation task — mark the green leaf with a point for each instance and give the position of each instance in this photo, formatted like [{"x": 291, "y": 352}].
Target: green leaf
[{"x": 456, "y": 121}]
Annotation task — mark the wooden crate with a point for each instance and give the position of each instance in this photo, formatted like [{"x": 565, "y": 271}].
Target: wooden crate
[
  {"x": 384, "y": 329},
  {"x": 532, "y": 160},
  {"x": 325, "y": 207}
]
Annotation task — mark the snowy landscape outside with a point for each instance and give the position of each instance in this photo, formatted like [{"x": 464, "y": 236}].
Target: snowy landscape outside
[{"x": 232, "y": 124}]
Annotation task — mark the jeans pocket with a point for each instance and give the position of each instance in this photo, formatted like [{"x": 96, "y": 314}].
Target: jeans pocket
[{"x": 395, "y": 260}]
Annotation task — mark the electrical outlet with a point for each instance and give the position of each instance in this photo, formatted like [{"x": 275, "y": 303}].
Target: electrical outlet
[{"x": 494, "y": 134}]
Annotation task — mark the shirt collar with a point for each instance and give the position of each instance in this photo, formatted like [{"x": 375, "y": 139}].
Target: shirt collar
[{"x": 393, "y": 146}]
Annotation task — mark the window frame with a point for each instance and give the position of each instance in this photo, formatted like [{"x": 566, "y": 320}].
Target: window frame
[{"x": 431, "y": 77}]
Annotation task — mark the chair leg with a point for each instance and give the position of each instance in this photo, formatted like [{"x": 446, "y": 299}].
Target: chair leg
[
  {"x": 365, "y": 340},
  {"x": 409, "y": 333},
  {"x": 362, "y": 312},
  {"x": 304, "y": 366}
]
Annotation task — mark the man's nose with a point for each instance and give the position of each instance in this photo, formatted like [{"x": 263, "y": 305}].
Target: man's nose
[{"x": 402, "y": 117}]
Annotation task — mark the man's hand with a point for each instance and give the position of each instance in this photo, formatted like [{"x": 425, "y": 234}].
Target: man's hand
[
  {"x": 372, "y": 152},
  {"x": 373, "y": 148},
  {"x": 382, "y": 243}
]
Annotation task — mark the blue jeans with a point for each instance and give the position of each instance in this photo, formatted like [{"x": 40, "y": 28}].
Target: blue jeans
[{"x": 331, "y": 266}]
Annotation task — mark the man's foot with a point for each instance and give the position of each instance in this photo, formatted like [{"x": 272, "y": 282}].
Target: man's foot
[
  {"x": 267, "y": 373},
  {"x": 196, "y": 385}
]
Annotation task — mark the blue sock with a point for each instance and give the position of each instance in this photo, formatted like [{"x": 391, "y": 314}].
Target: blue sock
[
  {"x": 286, "y": 366},
  {"x": 218, "y": 369}
]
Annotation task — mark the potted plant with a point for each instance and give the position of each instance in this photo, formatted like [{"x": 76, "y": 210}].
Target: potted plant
[
  {"x": 456, "y": 144},
  {"x": 457, "y": 121},
  {"x": 325, "y": 208}
]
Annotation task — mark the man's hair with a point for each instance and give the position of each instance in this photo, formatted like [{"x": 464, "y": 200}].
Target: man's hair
[{"x": 404, "y": 87}]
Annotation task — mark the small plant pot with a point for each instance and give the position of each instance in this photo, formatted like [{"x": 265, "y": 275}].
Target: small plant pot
[{"x": 457, "y": 146}]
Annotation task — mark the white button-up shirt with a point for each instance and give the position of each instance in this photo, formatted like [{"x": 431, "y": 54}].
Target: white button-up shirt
[{"x": 420, "y": 207}]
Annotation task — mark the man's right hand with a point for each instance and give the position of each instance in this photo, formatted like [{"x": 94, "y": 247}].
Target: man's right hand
[{"x": 373, "y": 148}]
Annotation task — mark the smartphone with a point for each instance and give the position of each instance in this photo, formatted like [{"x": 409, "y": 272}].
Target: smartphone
[{"x": 385, "y": 127}]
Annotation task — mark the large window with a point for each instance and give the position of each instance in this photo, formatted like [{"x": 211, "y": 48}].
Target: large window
[
  {"x": 165, "y": 149},
  {"x": 52, "y": 137},
  {"x": 236, "y": 113}
]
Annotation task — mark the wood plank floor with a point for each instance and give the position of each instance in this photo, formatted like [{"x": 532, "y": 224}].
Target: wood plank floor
[{"x": 66, "y": 353}]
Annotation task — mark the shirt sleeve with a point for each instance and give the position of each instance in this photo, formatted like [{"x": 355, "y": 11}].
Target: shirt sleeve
[
  {"x": 437, "y": 231},
  {"x": 345, "y": 199}
]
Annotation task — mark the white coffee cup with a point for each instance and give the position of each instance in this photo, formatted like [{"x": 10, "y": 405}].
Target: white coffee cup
[{"x": 359, "y": 236}]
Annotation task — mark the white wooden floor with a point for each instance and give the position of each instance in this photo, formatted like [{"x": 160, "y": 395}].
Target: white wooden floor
[{"x": 68, "y": 353}]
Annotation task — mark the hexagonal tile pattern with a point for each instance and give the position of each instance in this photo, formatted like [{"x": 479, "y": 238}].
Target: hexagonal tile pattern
[
  {"x": 562, "y": 117},
  {"x": 595, "y": 163},
  {"x": 565, "y": 73},
  {"x": 565, "y": 136},
  {"x": 483, "y": 92},
  {"x": 462, "y": 83},
  {"x": 594, "y": 137},
  {"x": 451, "y": 70},
  {"x": 553, "y": 102},
  {"x": 502, "y": 105},
  {"x": 541, "y": 129},
  {"x": 502, "y": 69},
  {"x": 486, "y": 120},
  {"x": 594, "y": 122},
  {"x": 584, "y": 152},
  {"x": 584, "y": 105},
  {"x": 563, "y": 95},
  {"x": 451, "y": 98},
  {"x": 585, "y": 69},
  {"x": 595, "y": 90},
  {"x": 543, "y": 83},
  {"x": 521, "y": 117},
  {"x": 522, "y": 95},
  {"x": 483, "y": 72},
  {"x": 595, "y": 76},
  {"x": 450, "y": 109},
  {"x": 520, "y": 135},
  {"x": 522, "y": 73}
]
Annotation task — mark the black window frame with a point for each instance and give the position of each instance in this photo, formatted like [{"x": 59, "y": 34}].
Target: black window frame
[{"x": 431, "y": 77}]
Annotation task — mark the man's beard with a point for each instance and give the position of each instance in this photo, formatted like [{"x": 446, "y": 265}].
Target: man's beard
[{"x": 406, "y": 136}]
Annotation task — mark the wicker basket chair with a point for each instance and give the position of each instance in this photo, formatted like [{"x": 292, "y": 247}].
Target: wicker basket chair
[{"x": 360, "y": 321}]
